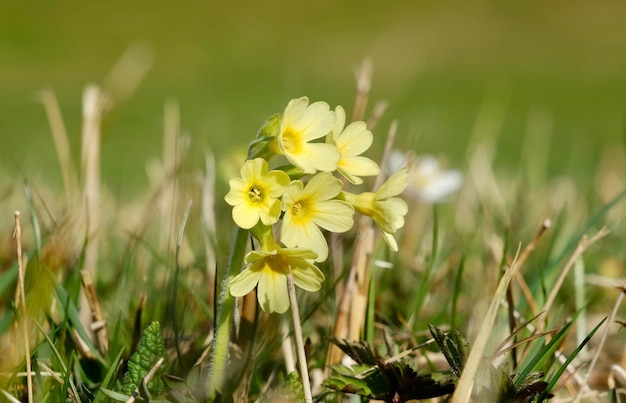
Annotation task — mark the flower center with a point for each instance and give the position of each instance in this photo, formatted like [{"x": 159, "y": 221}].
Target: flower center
[
  {"x": 255, "y": 194},
  {"x": 296, "y": 209},
  {"x": 291, "y": 140}
]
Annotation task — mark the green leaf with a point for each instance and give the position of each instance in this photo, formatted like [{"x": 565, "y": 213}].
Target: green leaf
[
  {"x": 111, "y": 375},
  {"x": 115, "y": 396},
  {"x": 149, "y": 350},
  {"x": 453, "y": 346},
  {"x": 359, "y": 351},
  {"x": 373, "y": 378},
  {"x": 292, "y": 388}
]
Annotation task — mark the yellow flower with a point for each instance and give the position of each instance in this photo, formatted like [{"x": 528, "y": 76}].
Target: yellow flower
[
  {"x": 302, "y": 123},
  {"x": 386, "y": 210},
  {"x": 269, "y": 269},
  {"x": 307, "y": 208},
  {"x": 255, "y": 195},
  {"x": 351, "y": 143}
]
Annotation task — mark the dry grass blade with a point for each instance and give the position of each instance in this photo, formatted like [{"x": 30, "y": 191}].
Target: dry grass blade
[
  {"x": 99, "y": 325},
  {"x": 21, "y": 304},
  {"x": 584, "y": 387},
  {"x": 363, "y": 77},
  {"x": 94, "y": 102},
  {"x": 583, "y": 244},
  {"x": 304, "y": 370},
  {"x": 61, "y": 144},
  {"x": 377, "y": 113},
  {"x": 362, "y": 270},
  {"x": 9, "y": 397},
  {"x": 465, "y": 386},
  {"x": 527, "y": 251}
]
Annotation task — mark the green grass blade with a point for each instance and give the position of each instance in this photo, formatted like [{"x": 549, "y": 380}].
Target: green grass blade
[
  {"x": 64, "y": 367},
  {"x": 458, "y": 282},
  {"x": 570, "y": 358},
  {"x": 33, "y": 216},
  {"x": 543, "y": 353},
  {"x": 110, "y": 375},
  {"x": 592, "y": 222},
  {"x": 416, "y": 303},
  {"x": 68, "y": 382},
  {"x": 69, "y": 308},
  {"x": 370, "y": 315},
  {"x": 7, "y": 279}
]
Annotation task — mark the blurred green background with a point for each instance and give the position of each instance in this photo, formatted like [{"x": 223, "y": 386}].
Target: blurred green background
[{"x": 230, "y": 65}]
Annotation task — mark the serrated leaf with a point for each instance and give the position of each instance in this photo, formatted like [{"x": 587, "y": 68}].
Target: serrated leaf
[
  {"x": 353, "y": 370},
  {"x": 349, "y": 384},
  {"x": 453, "y": 346},
  {"x": 293, "y": 387},
  {"x": 359, "y": 351},
  {"x": 395, "y": 381},
  {"x": 407, "y": 384},
  {"x": 149, "y": 351}
]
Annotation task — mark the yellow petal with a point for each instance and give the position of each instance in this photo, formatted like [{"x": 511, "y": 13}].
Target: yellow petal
[
  {"x": 340, "y": 121},
  {"x": 391, "y": 241},
  {"x": 315, "y": 157},
  {"x": 323, "y": 186},
  {"x": 353, "y": 167},
  {"x": 394, "y": 185},
  {"x": 309, "y": 278},
  {"x": 355, "y": 139},
  {"x": 237, "y": 192},
  {"x": 334, "y": 216},
  {"x": 244, "y": 282},
  {"x": 271, "y": 215},
  {"x": 304, "y": 235},
  {"x": 244, "y": 216},
  {"x": 251, "y": 169},
  {"x": 317, "y": 121},
  {"x": 272, "y": 292},
  {"x": 294, "y": 110}
]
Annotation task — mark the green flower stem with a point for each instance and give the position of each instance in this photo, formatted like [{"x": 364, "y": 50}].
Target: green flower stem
[
  {"x": 304, "y": 370},
  {"x": 226, "y": 306}
]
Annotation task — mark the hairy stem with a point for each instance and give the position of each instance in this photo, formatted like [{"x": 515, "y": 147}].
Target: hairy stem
[{"x": 225, "y": 307}]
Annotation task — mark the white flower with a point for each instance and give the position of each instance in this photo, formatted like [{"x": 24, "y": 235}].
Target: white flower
[{"x": 427, "y": 181}]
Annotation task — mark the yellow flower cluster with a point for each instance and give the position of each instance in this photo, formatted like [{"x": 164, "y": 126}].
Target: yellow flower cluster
[{"x": 305, "y": 197}]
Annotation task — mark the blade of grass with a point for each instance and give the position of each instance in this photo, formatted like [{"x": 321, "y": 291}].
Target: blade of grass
[
  {"x": 465, "y": 386},
  {"x": 59, "y": 357},
  {"x": 110, "y": 375},
  {"x": 570, "y": 358},
  {"x": 68, "y": 382},
  {"x": 592, "y": 365},
  {"x": 416, "y": 303},
  {"x": 69, "y": 308},
  {"x": 370, "y": 315},
  {"x": 592, "y": 222},
  {"x": 544, "y": 352},
  {"x": 457, "y": 291}
]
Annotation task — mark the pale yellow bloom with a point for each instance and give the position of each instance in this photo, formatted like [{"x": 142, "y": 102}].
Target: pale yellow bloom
[
  {"x": 386, "y": 210},
  {"x": 255, "y": 195},
  {"x": 269, "y": 269},
  {"x": 351, "y": 142},
  {"x": 301, "y": 123},
  {"x": 307, "y": 208}
]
